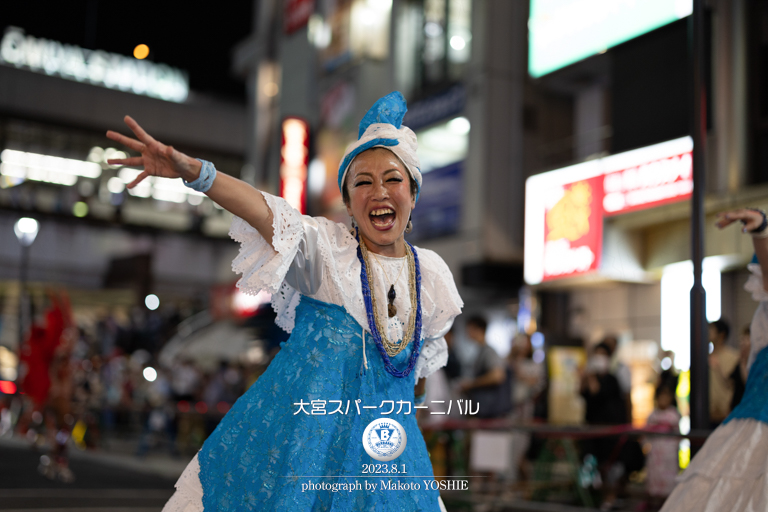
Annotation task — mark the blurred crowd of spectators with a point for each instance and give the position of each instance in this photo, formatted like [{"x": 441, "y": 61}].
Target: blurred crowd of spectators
[{"x": 103, "y": 385}]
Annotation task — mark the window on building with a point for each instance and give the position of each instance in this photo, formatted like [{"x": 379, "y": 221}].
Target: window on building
[{"x": 433, "y": 44}]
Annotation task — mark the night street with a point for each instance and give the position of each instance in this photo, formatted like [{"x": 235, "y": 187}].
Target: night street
[{"x": 98, "y": 486}]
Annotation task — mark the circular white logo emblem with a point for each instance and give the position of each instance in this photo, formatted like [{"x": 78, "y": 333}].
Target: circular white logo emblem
[{"x": 384, "y": 439}]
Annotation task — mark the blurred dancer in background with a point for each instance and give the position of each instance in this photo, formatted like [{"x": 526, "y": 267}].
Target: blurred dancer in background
[{"x": 47, "y": 381}]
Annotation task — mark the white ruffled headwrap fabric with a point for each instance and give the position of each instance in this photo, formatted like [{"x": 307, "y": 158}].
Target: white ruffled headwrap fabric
[{"x": 381, "y": 127}]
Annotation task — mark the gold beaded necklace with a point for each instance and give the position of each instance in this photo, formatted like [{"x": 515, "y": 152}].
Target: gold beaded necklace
[{"x": 393, "y": 348}]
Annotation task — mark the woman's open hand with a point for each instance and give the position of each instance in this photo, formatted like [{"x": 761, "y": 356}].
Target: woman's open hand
[
  {"x": 750, "y": 219},
  {"x": 156, "y": 158}
]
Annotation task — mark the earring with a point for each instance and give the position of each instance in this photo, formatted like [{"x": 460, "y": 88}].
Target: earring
[
  {"x": 409, "y": 226},
  {"x": 352, "y": 219}
]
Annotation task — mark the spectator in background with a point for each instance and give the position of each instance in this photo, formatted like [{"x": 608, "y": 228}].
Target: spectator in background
[
  {"x": 452, "y": 368},
  {"x": 663, "y": 463},
  {"x": 739, "y": 374},
  {"x": 668, "y": 377},
  {"x": 621, "y": 371},
  {"x": 487, "y": 386},
  {"x": 529, "y": 382},
  {"x": 185, "y": 381},
  {"x": 605, "y": 406},
  {"x": 602, "y": 391},
  {"x": 722, "y": 361}
]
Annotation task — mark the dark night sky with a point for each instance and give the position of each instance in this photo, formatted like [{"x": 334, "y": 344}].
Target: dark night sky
[{"x": 195, "y": 36}]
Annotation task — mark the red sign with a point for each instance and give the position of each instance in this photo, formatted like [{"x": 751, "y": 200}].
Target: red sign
[
  {"x": 661, "y": 181},
  {"x": 573, "y": 229},
  {"x": 296, "y": 14},
  {"x": 564, "y": 208},
  {"x": 294, "y": 159}
]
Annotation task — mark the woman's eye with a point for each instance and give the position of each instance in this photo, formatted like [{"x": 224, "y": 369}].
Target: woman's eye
[
  {"x": 398, "y": 180},
  {"x": 362, "y": 183}
]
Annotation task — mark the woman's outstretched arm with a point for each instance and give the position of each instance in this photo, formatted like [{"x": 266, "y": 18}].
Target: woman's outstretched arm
[
  {"x": 751, "y": 220},
  {"x": 232, "y": 194}
]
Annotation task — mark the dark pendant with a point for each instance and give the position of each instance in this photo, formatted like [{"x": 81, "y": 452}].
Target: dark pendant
[
  {"x": 391, "y": 295},
  {"x": 391, "y": 310}
]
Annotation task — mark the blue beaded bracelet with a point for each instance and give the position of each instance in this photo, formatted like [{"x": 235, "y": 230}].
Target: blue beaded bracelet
[
  {"x": 204, "y": 182},
  {"x": 420, "y": 399}
]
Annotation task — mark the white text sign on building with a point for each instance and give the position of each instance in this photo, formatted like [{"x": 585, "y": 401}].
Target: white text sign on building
[
  {"x": 564, "y": 208},
  {"x": 93, "y": 66}
]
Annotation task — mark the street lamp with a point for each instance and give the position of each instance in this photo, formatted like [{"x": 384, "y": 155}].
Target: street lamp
[{"x": 26, "y": 229}]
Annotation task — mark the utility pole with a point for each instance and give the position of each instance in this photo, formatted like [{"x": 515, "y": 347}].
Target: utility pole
[{"x": 699, "y": 333}]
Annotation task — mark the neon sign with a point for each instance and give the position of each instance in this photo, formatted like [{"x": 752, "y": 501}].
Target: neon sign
[
  {"x": 294, "y": 161},
  {"x": 97, "y": 67},
  {"x": 565, "y": 208}
]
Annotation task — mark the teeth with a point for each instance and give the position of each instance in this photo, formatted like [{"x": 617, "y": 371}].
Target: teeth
[{"x": 382, "y": 211}]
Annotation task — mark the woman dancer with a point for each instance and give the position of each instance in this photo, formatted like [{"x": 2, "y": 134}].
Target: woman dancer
[
  {"x": 367, "y": 313},
  {"x": 730, "y": 472}
]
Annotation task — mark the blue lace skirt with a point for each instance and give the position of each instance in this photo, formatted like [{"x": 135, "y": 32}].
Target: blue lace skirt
[{"x": 270, "y": 454}]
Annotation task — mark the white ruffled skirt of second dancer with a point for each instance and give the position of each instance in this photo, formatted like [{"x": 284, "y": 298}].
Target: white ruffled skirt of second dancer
[{"x": 729, "y": 474}]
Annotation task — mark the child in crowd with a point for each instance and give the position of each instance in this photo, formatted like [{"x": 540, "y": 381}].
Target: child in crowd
[{"x": 662, "y": 464}]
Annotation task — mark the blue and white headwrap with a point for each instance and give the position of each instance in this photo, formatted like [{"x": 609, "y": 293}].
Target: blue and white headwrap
[{"x": 381, "y": 127}]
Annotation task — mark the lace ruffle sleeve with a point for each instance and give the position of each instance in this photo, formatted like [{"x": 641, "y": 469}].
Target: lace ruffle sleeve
[
  {"x": 441, "y": 304},
  {"x": 264, "y": 266},
  {"x": 759, "y": 328}
]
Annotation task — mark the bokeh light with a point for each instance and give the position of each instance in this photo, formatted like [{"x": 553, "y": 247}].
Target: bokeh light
[
  {"x": 141, "y": 51},
  {"x": 80, "y": 209},
  {"x": 152, "y": 301},
  {"x": 150, "y": 374}
]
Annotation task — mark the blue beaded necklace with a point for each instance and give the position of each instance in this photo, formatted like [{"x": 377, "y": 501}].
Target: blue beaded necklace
[{"x": 372, "y": 321}]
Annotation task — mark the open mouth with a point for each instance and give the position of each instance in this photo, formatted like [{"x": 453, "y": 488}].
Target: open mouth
[{"x": 382, "y": 218}]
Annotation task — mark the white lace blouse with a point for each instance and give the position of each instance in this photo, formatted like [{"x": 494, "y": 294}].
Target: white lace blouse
[
  {"x": 759, "y": 328},
  {"x": 315, "y": 257}
]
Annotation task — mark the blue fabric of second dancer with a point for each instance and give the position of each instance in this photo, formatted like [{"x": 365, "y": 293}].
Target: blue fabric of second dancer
[
  {"x": 754, "y": 404},
  {"x": 263, "y": 457}
]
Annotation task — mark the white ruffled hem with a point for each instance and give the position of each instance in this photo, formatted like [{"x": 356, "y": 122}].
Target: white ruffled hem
[
  {"x": 729, "y": 474},
  {"x": 189, "y": 491}
]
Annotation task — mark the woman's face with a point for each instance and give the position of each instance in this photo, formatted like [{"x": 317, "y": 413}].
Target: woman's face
[{"x": 380, "y": 200}]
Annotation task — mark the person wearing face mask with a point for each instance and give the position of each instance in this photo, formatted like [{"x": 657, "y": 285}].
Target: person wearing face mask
[
  {"x": 601, "y": 390},
  {"x": 367, "y": 313},
  {"x": 605, "y": 406}
]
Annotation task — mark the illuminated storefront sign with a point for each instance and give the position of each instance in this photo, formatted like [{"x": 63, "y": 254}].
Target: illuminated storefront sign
[
  {"x": 18, "y": 166},
  {"x": 562, "y": 32},
  {"x": 296, "y": 14},
  {"x": 294, "y": 161},
  {"x": 564, "y": 209},
  {"x": 93, "y": 66}
]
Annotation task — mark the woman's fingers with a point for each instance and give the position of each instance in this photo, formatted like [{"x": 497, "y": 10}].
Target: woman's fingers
[
  {"x": 749, "y": 218},
  {"x": 138, "y": 179},
  {"x": 138, "y": 130},
  {"x": 133, "y": 161},
  {"x": 126, "y": 141}
]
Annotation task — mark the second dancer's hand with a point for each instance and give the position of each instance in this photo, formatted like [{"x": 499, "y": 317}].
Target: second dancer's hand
[
  {"x": 156, "y": 158},
  {"x": 750, "y": 219}
]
